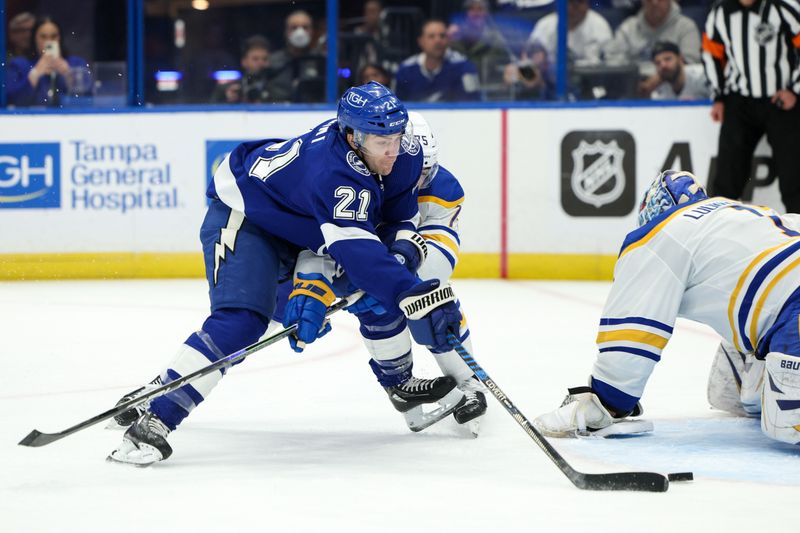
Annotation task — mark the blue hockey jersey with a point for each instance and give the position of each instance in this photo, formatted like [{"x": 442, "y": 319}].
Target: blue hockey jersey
[
  {"x": 456, "y": 80},
  {"x": 315, "y": 192}
]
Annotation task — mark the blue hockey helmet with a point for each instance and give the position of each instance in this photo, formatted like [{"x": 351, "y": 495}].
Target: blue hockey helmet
[
  {"x": 670, "y": 188},
  {"x": 372, "y": 109}
]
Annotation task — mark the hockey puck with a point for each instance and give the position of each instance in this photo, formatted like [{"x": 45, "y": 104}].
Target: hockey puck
[{"x": 681, "y": 476}]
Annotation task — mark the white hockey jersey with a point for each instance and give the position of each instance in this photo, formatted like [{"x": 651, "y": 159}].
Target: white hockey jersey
[
  {"x": 439, "y": 207},
  {"x": 726, "y": 264}
]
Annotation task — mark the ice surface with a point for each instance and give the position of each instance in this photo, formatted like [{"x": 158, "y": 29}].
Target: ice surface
[{"x": 309, "y": 442}]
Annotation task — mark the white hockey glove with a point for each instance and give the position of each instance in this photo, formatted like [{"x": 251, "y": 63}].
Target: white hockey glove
[{"x": 583, "y": 415}]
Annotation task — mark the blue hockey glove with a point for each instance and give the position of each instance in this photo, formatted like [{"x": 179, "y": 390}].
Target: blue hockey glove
[
  {"x": 431, "y": 311},
  {"x": 409, "y": 249},
  {"x": 307, "y": 304}
]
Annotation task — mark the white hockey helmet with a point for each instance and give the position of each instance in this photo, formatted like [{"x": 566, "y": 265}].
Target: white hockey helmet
[{"x": 430, "y": 147}]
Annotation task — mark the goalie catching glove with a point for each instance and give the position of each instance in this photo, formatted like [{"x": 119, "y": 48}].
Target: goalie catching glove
[
  {"x": 582, "y": 414},
  {"x": 432, "y": 313},
  {"x": 306, "y": 307}
]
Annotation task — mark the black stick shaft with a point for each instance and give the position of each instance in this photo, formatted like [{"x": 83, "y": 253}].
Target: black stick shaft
[
  {"x": 638, "y": 481},
  {"x": 36, "y": 438}
]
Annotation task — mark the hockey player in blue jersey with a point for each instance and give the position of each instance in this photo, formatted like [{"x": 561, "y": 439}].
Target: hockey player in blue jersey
[
  {"x": 384, "y": 331},
  {"x": 732, "y": 266},
  {"x": 324, "y": 191}
]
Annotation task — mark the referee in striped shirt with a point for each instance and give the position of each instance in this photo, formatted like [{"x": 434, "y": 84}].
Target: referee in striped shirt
[{"x": 751, "y": 56}]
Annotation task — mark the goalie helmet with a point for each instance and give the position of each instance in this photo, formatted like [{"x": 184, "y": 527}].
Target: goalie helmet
[
  {"x": 430, "y": 147},
  {"x": 372, "y": 109},
  {"x": 670, "y": 188}
]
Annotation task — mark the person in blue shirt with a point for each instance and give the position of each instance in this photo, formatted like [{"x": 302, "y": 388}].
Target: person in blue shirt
[
  {"x": 325, "y": 191},
  {"x": 437, "y": 74},
  {"x": 49, "y": 73}
]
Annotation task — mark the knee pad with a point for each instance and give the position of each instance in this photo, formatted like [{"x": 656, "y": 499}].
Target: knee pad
[{"x": 780, "y": 407}]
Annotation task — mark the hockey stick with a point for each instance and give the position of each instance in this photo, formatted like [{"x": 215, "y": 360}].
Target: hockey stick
[
  {"x": 36, "y": 438},
  {"x": 637, "y": 481}
]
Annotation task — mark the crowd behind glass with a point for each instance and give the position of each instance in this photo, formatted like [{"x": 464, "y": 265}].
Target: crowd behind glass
[{"x": 196, "y": 52}]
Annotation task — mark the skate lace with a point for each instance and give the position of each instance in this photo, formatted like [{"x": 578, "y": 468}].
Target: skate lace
[
  {"x": 157, "y": 426},
  {"x": 417, "y": 385},
  {"x": 470, "y": 395}
]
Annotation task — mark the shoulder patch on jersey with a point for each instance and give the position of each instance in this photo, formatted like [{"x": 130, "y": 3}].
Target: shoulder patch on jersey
[
  {"x": 412, "y": 147},
  {"x": 357, "y": 164}
]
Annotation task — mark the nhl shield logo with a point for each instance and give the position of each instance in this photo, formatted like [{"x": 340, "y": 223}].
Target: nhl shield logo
[
  {"x": 598, "y": 173},
  {"x": 602, "y": 180}
]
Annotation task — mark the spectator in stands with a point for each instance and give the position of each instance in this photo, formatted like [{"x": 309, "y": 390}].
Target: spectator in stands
[
  {"x": 371, "y": 23},
  {"x": 19, "y": 35},
  {"x": 370, "y": 27},
  {"x": 299, "y": 60},
  {"x": 678, "y": 80},
  {"x": 657, "y": 20},
  {"x": 437, "y": 74},
  {"x": 587, "y": 34},
  {"x": 371, "y": 72},
  {"x": 48, "y": 73},
  {"x": 474, "y": 35},
  {"x": 253, "y": 87}
]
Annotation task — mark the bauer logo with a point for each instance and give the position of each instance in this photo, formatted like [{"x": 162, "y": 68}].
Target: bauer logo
[
  {"x": 30, "y": 176},
  {"x": 598, "y": 173}
]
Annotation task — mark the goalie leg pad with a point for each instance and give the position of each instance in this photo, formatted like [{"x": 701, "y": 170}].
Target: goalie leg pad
[
  {"x": 735, "y": 381},
  {"x": 780, "y": 408}
]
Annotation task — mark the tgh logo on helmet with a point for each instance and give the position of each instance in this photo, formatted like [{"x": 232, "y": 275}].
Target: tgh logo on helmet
[{"x": 356, "y": 99}]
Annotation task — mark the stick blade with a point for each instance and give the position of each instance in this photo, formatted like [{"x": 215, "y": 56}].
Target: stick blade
[
  {"x": 681, "y": 476},
  {"x": 36, "y": 438},
  {"x": 633, "y": 481}
]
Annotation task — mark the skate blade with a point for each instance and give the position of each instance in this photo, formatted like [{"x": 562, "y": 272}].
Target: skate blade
[
  {"x": 114, "y": 425},
  {"x": 474, "y": 427},
  {"x": 617, "y": 430},
  {"x": 130, "y": 454},
  {"x": 469, "y": 429},
  {"x": 417, "y": 419}
]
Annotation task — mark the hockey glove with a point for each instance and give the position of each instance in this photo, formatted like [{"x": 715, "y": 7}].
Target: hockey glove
[
  {"x": 432, "y": 313},
  {"x": 409, "y": 249},
  {"x": 307, "y": 305}
]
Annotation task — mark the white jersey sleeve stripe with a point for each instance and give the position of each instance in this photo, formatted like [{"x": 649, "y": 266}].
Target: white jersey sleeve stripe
[
  {"x": 226, "y": 186},
  {"x": 333, "y": 233}
]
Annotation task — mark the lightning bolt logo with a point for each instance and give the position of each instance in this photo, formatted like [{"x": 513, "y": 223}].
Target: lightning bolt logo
[{"x": 227, "y": 239}]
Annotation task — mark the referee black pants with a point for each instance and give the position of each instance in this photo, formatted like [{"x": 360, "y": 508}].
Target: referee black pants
[{"x": 744, "y": 122}]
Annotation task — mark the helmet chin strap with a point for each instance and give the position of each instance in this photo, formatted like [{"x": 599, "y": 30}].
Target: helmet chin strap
[{"x": 363, "y": 158}]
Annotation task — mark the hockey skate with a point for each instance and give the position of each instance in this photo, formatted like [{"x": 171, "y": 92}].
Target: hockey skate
[
  {"x": 144, "y": 443},
  {"x": 126, "y": 418},
  {"x": 474, "y": 405},
  {"x": 412, "y": 397}
]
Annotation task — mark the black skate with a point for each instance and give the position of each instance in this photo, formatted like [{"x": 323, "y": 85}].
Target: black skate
[
  {"x": 144, "y": 443},
  {"x": 474, "y": 405},
  {"x": 126, "y": 418},
  {"x": 413, "y": 395}
]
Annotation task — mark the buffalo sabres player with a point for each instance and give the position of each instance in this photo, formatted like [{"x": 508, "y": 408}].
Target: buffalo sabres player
[
  {"x": 385, "y": 331},
  {"x": 326, "y": 191},
  {"x": 726, "y": 264}
]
